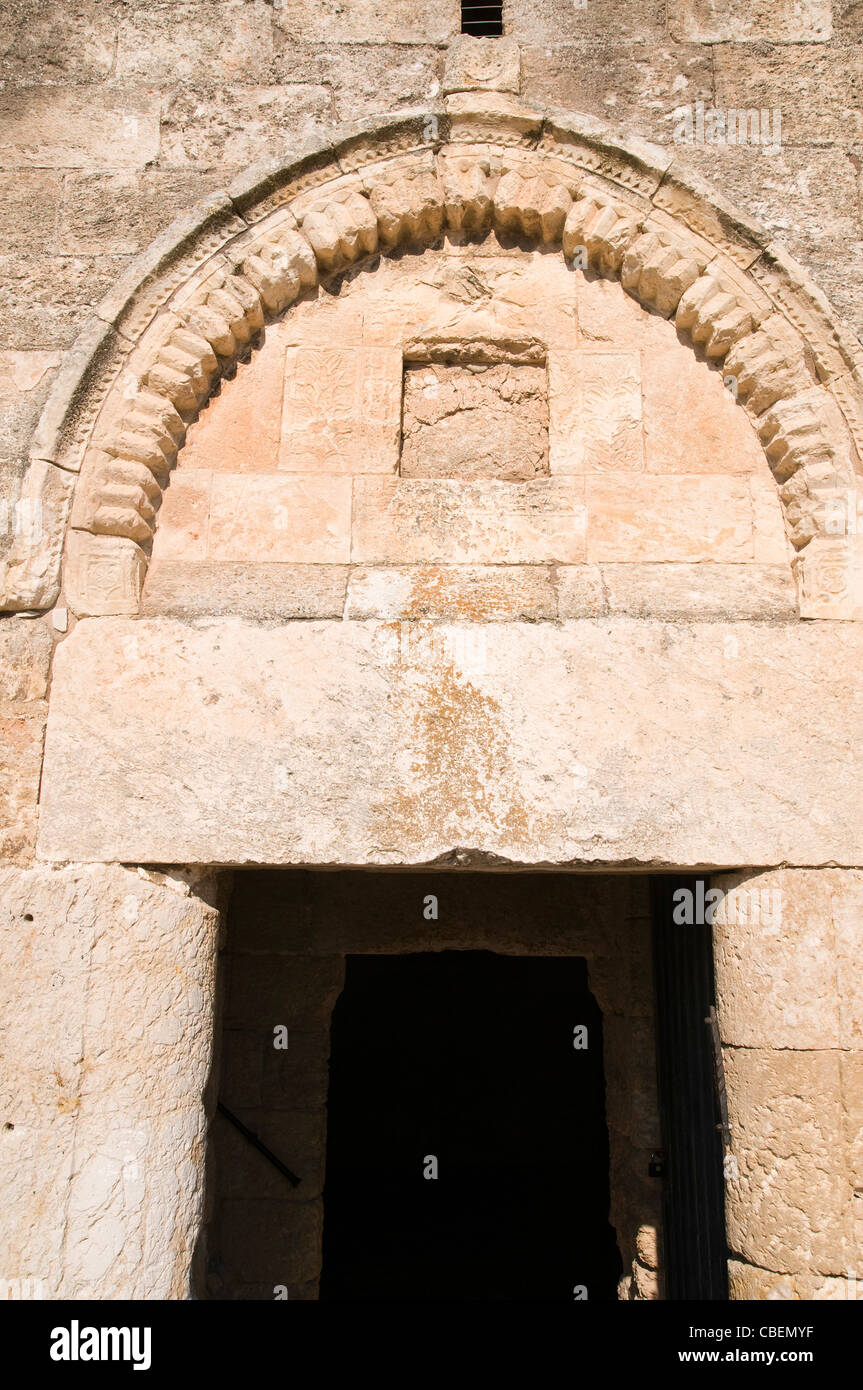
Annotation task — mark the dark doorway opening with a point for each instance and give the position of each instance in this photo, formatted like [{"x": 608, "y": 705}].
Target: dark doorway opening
[{"x": 467, "y": 1058}]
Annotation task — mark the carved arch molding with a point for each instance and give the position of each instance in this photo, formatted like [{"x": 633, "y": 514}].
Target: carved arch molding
[{"x": 193, "y": 306}]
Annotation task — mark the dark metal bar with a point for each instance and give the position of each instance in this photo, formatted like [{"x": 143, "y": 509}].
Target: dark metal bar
[
  {"x": 482, "y": 20},
  {"x": 693, "y": 1192},
  {"x": 258, "y": 1144},
  {"x": 712, "y": 1021}
]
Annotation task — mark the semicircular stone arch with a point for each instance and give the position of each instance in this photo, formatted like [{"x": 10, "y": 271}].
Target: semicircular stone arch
[{"x": 192, "y": 311}]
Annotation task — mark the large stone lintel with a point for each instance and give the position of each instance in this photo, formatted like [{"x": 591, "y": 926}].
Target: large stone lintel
[{"x": 593, "y": 742}]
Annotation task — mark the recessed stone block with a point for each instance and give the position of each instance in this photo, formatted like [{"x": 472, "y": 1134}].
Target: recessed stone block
[{"x": 475, "y": 420}]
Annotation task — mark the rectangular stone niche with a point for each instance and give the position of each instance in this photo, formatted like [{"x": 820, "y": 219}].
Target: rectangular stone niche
[{"x": 475, "y": 419}]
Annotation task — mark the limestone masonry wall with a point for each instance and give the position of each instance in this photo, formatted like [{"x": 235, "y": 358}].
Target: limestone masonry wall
[
  {"x": 116, "y": 117},
  {"x": 476, "y": 485}
]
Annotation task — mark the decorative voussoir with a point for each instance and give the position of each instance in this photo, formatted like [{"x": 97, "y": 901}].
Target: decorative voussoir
[
  {"x": 152, "y": 412},
  {"x": 341, "y": 232},
  {"x": 715, "y": 314},
  {"x": 801, "y": 432},
  {"x": 184, "y": 371},
  {"x": 803, "y": 516},
  {"x": 279, "y": 268},
  {"x": 133, "y": 477},
  {"x": 468, "y": 193},
  {"x": 766, "y": 367},
  {"x": 605, "y": 235},
  {"x": 241, "y": 306},
  {"x": 146, "y": 447},
  {"x": 657, "y": 271},
  {"x": 532, "y": 205},
  {"x": 122, "y": 520},
  {"x": 208, "y": 323},
  {"x": 410, "y": 209}
]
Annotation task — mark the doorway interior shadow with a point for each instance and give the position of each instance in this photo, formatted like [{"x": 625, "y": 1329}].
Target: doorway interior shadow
[{"x": 467, "y": 1149}]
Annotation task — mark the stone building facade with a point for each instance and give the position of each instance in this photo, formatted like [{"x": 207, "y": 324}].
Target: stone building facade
[{"x": 422, "y": 453}]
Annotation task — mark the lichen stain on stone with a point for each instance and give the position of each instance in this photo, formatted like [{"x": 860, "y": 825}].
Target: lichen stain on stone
[
  {"x": 462, "y": 785},
  {"x": 436, "y": 594}
]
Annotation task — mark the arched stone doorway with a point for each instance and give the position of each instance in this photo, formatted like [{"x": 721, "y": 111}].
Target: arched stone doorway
[{"x": 373, "y": 638}]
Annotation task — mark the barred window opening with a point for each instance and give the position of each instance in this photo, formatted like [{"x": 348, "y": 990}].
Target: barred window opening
[{"x": 481, "y": 20}]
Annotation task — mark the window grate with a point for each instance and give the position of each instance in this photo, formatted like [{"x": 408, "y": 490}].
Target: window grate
[{"x": 481, "y": 20}]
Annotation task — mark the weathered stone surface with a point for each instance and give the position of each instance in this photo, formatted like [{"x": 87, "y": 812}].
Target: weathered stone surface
[
  {"x": 239, "y": 429},
  {"x": 581, "y": 592},
  {"x": 717, "y": 21},
  {"x": 770, "y": 542},
  {"x": 21, "y": 738},
  {"x": 73, "y": 128},
  {"x": 25, "y": 378},
  {"x": 195, "y": 44},
  {"x": 428, "y": 521},
  {"x": 460, "y": 593},
  {"x": 408, "y": 73},
  {"x": 369, "y": 21},
  {"x": 475, "y": 421},
  {"x": 634, "y": 84},
  {"x": 262, "y": 591},
  {"x": 560, "y": 21},
  {"x": 184, "y": 517},
  {"x": 30, "y": 196},
  {"x": 30, "y": 575},
  {"x": 613, "y": 741},
  {"x": 25, "y": 658},
  {"x": 595, "y": 412},
  {"x": 794, "y": 80},
  {"x": 255, "y": 518},
  {"x": 342, "y": 410},
  {"x": 786, "y": 977},
  {"x": 823, "y": 230},
  {"x": 121, "y": 213},
  {"x": 44, "y": 299},
  {"x": 750, "y": 1283},
  {"x": 236, "y": 126},
  {"x": 692, "y": 423},
  {"x": 40, "y": 45},
  {"x": 699, "y": 591},
  {"x": 103, "y": 1121},
  {"x": 294, "y": 520},
  {"x": 481, "y": 64},
  {"x": 788, "y": 1208},
  {"x": 675, "y": 518}
]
